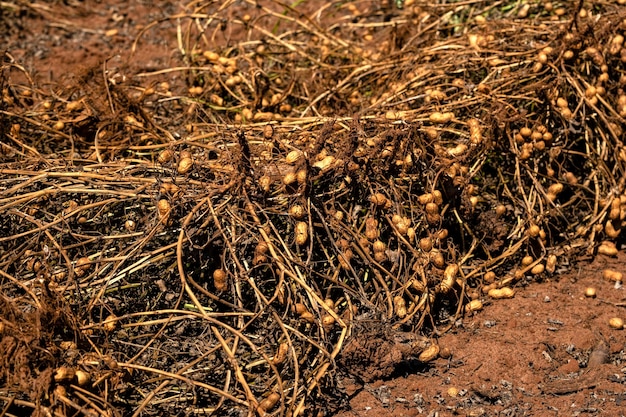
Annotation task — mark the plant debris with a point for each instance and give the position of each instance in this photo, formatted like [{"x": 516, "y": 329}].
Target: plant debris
[{"x": 218, "y": 241}]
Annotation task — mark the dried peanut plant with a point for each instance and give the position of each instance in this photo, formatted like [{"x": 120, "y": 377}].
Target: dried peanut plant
[{"x": 220, "y": 237}]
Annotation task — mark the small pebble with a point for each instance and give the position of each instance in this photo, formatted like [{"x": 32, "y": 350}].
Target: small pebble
[{"x": 599, "y": 355}]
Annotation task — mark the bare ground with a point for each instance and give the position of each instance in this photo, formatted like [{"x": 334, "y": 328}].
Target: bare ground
[{"x": 548, "y": 351}]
